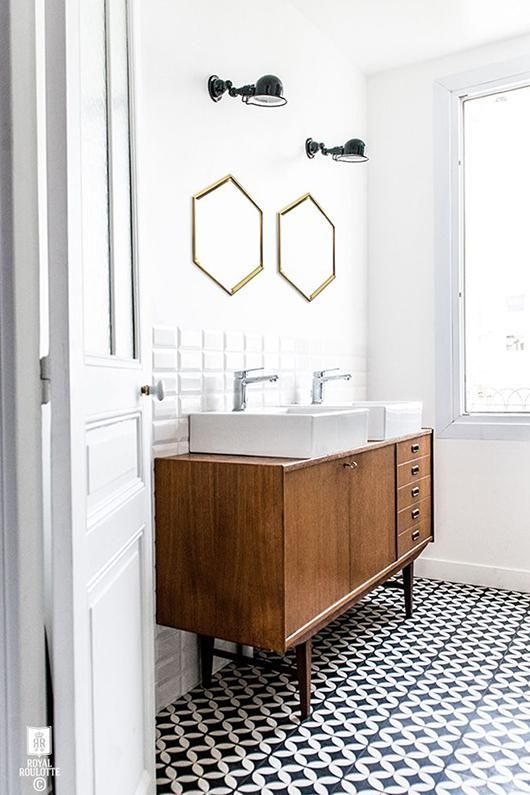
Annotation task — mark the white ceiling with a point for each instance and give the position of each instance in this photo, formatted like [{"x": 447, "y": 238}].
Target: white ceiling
[{"x": 382, "y": 34}]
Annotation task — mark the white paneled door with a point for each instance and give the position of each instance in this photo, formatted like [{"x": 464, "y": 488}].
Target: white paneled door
[{"x": 101, "y": 558}]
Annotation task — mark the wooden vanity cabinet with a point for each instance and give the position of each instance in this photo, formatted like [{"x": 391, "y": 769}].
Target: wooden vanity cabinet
[
  {"x": 317, "y": 541},
  {"x": 372, "y": 514},
  {"x": 265, "y": 552}
]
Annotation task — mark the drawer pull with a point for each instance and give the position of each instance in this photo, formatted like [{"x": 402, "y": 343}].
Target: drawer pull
[
  {"x": 415, "y": 513},
  {"x": 415, "y": 492},
  {"x": 415, "y": 535},
  {"x": 415, "y": 469},
  {"x": 351, "y": 465},
  {"x": 414, "y": 448}
]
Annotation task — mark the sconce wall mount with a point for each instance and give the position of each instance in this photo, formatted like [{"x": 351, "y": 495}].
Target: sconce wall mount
[
  {"x": 351, "y": 152},
  {"x": 266, "y": 92}
]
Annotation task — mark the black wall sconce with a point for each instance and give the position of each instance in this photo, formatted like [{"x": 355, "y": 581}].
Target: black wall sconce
[
  {"x": 351, "y": 152},
  {"x": 267, "y": 91}
]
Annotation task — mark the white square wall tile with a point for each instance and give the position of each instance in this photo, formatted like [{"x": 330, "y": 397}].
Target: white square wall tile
[
  {"x": 303, "y": 363},
  {"x": 271, "y": 361},
  {"x": 189, "y": 679},
  {"x": 287, "y": 381},
  {"x": 255, "y": 399},
  {"x": 235, "y": 361},
  {"x": 164, "y": 359},
  {"x": 165, "y": 430},
  {"x": 165, "y": 409},
  {"x": 213, "y": 340},
  {"x": 234, "y": 341},
  {"x": 271, "y": 397},
  {"x": 214, "y": 402},
  {"x": 253, "y": 343},
  {"x": 190, "y": 383},
  {"x": 165, "y": 337},
  {"x": 183, "y": 429},
  {"x": 213, "y": 382},
  {"x": 271, "y": 343},
  {"x": 189, "y": 405},
  {"x": 287, "y": 362},
  {"x": 253, "y": 360},
  {"x": 287, "y": 396},
  {"x": 190, "y": 360},
  {"x": 168, "y": 692},
  {"x": 188, "y": 338},
  {"x": 287, "y": 345},
  {"x": 213, "y": 360},
  {"x": 169, "y": 382}
]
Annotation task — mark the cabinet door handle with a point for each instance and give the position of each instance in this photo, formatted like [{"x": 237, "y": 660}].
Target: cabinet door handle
[
  {"x": 351, "y": 465},
  {"x": 415, "y": 535},
  {"x": 415, "y": 470},
  {"x": 414, "y": 448},
  {"x": 415, "y": 492},
  {"x": 415, "y": 513}
]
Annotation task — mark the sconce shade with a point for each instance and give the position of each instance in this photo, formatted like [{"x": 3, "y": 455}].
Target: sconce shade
[
  {"x": 353, "y": 151},
  {"x": 268, "y": 92}
]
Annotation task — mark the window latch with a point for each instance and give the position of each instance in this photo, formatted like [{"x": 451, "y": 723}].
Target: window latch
[{"x": 45, "y": 380}]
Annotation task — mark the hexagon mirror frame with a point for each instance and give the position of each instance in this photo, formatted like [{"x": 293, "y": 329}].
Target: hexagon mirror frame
[
  {"x": 281, "y": 266},
  {"x": 201, "y": 194}
]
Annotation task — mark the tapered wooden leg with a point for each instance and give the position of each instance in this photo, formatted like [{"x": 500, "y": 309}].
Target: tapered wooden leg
[
  {"x": 303, "y": 668},
  {"x": 408, "y": 582},
  {"x": 206, "y": 645}
]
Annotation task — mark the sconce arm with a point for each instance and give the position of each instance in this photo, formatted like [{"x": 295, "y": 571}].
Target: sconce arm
[
  {"x": 334, "y": 150},
  {"x": 244, "y": 91}
]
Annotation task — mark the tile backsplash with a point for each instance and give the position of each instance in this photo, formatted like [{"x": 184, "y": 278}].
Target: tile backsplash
[{"x": 196, "y": 367}]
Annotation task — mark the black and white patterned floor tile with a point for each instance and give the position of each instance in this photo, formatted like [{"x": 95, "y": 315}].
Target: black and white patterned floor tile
[{"x": 436, "y": 704}]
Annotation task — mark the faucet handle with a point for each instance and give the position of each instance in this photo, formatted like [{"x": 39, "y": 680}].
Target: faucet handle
[
  {"x": 320, "y": 373},
  {"x": 243, "y": 373}
]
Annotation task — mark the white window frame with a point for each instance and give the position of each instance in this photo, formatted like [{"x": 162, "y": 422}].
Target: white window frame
[{"x": 451, "y": 420}]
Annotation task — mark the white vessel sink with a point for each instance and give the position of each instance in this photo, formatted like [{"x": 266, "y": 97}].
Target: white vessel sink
[
  {"x": 290, "y": 432},
  {"x": 387, "y": 418}
]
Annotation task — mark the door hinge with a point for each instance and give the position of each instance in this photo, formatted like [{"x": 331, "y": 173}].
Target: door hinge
[{"x": 45, "y": 380}]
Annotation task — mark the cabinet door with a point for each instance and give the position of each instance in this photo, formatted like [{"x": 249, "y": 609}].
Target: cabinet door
[
  {"x": 317, "y": 541},
  {"x": 373, "y": 513}
]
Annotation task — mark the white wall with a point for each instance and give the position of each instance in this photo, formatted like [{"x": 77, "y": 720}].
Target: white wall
[
  {"x": 483, "y": 494},
  {"x": 185, "y": 142}
]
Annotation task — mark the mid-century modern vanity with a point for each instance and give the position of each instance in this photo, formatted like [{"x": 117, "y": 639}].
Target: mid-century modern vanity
[{"x": 266, "y": 551}]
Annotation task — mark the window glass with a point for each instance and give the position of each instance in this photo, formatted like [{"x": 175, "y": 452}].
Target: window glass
[{"x": 496, "y": 250}]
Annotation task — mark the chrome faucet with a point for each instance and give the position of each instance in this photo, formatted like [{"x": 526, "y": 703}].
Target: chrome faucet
[
  {"x": 241, "y": 380},
  {"x": 320, "y": 378}
]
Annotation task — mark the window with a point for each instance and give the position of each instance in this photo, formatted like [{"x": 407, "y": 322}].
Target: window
[
  {"x": 496, "y": 251},
  {"x": 483, "y": 256}
]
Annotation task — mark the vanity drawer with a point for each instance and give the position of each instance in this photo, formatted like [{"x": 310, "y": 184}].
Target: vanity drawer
[
  {"x": 413, "y": 471},
  {"x": 414, "y": 492},
  {"x": 413, "y": 536},
  {"x": 413, "y": 448},
  {"x": 414, "y": 514}
]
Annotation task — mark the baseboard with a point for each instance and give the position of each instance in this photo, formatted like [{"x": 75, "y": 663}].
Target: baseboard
[{"x": 473, "y": 573}]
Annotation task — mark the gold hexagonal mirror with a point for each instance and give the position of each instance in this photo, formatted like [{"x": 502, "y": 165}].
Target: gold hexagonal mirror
[
  {"x": 306, "y": 246},
  {"x": 227, "y": 234}
]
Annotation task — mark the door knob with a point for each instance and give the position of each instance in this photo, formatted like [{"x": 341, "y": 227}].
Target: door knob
[{"x": 155, "y": 390}]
